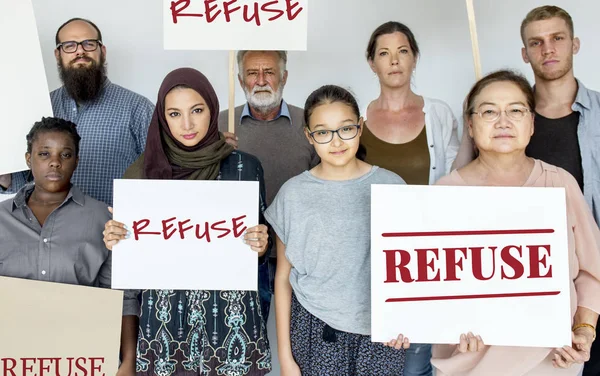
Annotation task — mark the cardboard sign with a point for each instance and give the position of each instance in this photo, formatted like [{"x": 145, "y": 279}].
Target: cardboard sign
[
  {"x": 24, "y": 97},
  {"x": 235, "y": 24},
  {"x": 54, "y": 329},
  {"x": 185, "y": 235},
  {"x": 490, "y": 260}
]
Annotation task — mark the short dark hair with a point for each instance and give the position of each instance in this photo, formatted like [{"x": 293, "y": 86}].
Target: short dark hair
[
  {"x": 390, "y": 28},
  {"x": 57, "y": 41},
  {"x": 499, "y": 76},
  {"x": 52, "y": 124}
]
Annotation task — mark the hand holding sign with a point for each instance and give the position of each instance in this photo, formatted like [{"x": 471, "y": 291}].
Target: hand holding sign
[
  {"x": 579, "y": 353},
  {"x": 470, "y": 343},
  {"x": 400, "y": 343}
]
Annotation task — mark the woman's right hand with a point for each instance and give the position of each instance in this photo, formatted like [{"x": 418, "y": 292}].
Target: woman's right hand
[
  {"x": 114, "y": 232},
  {"x": 290, "y": 368},
  {"x": 470, "y": 343}
]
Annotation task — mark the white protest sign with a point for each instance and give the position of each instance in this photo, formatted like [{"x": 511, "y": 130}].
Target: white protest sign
[
  {"x": 235, "y": 24},
  {"x": 24, "y": 97},
  {"x": 490, "y": 260},
  {"x": 185, "y": 235},
  {"x": 6, "y": 197},
  {"x": 54, "y": 329}
]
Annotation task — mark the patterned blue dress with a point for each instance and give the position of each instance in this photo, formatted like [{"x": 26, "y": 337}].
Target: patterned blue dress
[{"x": 202, "y": 332}]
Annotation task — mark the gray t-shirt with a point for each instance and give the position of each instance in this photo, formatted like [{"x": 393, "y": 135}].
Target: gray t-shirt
[{"x": 326, "y": 227}]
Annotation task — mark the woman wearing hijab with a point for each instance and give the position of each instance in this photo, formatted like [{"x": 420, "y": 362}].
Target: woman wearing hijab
[{"x": 197, "y": 332}]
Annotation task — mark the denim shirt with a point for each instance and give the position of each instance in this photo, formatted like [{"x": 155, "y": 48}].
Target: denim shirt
[{"x": 587, "y": 103}]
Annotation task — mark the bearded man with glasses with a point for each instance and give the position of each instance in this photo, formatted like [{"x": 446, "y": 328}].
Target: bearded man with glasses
[{"x": 111, "y": 120}]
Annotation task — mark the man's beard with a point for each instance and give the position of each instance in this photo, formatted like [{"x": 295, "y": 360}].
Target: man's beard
[
  {"x": 264, "y": 102},
  {"x": 83, "y": 83},
  {"x": 555, "y": 74}
]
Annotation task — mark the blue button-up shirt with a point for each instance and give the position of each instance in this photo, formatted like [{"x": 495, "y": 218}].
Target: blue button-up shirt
[
  {"x": 283, "y": 111},
  {"x": 113, "y": 130},
  {"x": 587, "y": 103}
]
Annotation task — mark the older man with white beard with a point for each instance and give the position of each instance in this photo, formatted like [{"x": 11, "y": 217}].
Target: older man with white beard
[{"x": 272, "y": 130}]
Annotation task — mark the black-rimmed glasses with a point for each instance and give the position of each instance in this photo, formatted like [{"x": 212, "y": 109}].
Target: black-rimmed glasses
[
  {"x": 324, "y": 136},
  {"x": 71, "y": 46}
]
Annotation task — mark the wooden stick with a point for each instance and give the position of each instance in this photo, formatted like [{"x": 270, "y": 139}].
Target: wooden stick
[
  {"x": 474, "y": 40},
  {"x": 231, "y": 126}
]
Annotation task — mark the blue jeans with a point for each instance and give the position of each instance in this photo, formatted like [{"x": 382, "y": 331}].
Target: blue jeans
[
  {"x": 418, "y": 360},
  {"x": 266, "y": 282}
]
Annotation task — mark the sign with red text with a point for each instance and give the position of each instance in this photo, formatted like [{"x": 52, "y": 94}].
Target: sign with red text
[
  {"x": 24, "y": 97},
  {"x": 185, "y": 235},
  {"x": 489, "y": 260},
  {"x": 235, "y": 24},
  {"x": 54, "y": 329}
]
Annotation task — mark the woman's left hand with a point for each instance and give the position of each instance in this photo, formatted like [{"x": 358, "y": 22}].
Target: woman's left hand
[
  {"x": 257, "y": 238},
  {"x": 580, "y": 352}
]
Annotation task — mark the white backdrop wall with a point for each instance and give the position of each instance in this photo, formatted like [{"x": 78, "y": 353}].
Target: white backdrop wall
[{"x": 338, "y": 32}]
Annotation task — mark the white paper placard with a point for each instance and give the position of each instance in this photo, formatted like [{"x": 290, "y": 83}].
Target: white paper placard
[
  {"x": 434, "y": 277},
  {"x": 199, "y": 246},
  {"x": 6, "y": 197},
  {"x": 235, "y": 24},
  {"x": 24, "y": 98}
]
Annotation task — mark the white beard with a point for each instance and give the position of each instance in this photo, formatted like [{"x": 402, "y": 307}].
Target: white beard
[{"x": 264, "y": 102}]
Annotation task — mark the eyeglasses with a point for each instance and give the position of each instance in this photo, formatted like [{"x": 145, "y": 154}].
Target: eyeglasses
[
  {"x": 71, "y": 46},
  {"x": 324, "y": 136},
  {"x": 490, "y": 114}
]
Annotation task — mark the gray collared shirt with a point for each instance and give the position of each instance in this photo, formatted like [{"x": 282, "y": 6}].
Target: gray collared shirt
[
  {"x": 68, "y": 248},
  {"x": 587, "y": 103}
]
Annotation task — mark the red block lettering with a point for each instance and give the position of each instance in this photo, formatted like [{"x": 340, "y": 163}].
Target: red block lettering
[
  {"x": 535, "y": 261},
  {"x": 95, "y": 368},
  {"x": 290, "y": 5},
  {"x": 237, "y": 233},
  {"x": 512, "y": 261},
  {"x": 166, "y": 234},
  {"x": 423, "y": 265},
  {"x": 391, "y": 266},
  {"x": 26, "y": 367},
  {"x": 266, "y": 8},
  {"x": 46, "y": 368},
  {"x": 80, "y": 366},
  {"x": 138, "y": 226},
  {"x": 6, "y": 368},
  {"x": 477, "y": 263},
  {"x": 452, "y": 263}
]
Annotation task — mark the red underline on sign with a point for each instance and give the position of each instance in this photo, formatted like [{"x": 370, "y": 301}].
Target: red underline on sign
[
  {"x": 480, "y": 296},
  {"x": 467, "y": 233}
]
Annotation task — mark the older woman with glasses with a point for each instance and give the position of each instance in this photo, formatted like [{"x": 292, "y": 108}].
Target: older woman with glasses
[{"x": 499, "y": 117}]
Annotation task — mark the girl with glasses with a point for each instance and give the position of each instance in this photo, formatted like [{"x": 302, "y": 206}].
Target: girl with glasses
[{"x": 322, "y": 221}]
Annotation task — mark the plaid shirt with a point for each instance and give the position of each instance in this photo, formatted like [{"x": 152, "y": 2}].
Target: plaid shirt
[{"x": 113, "y": 130}]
